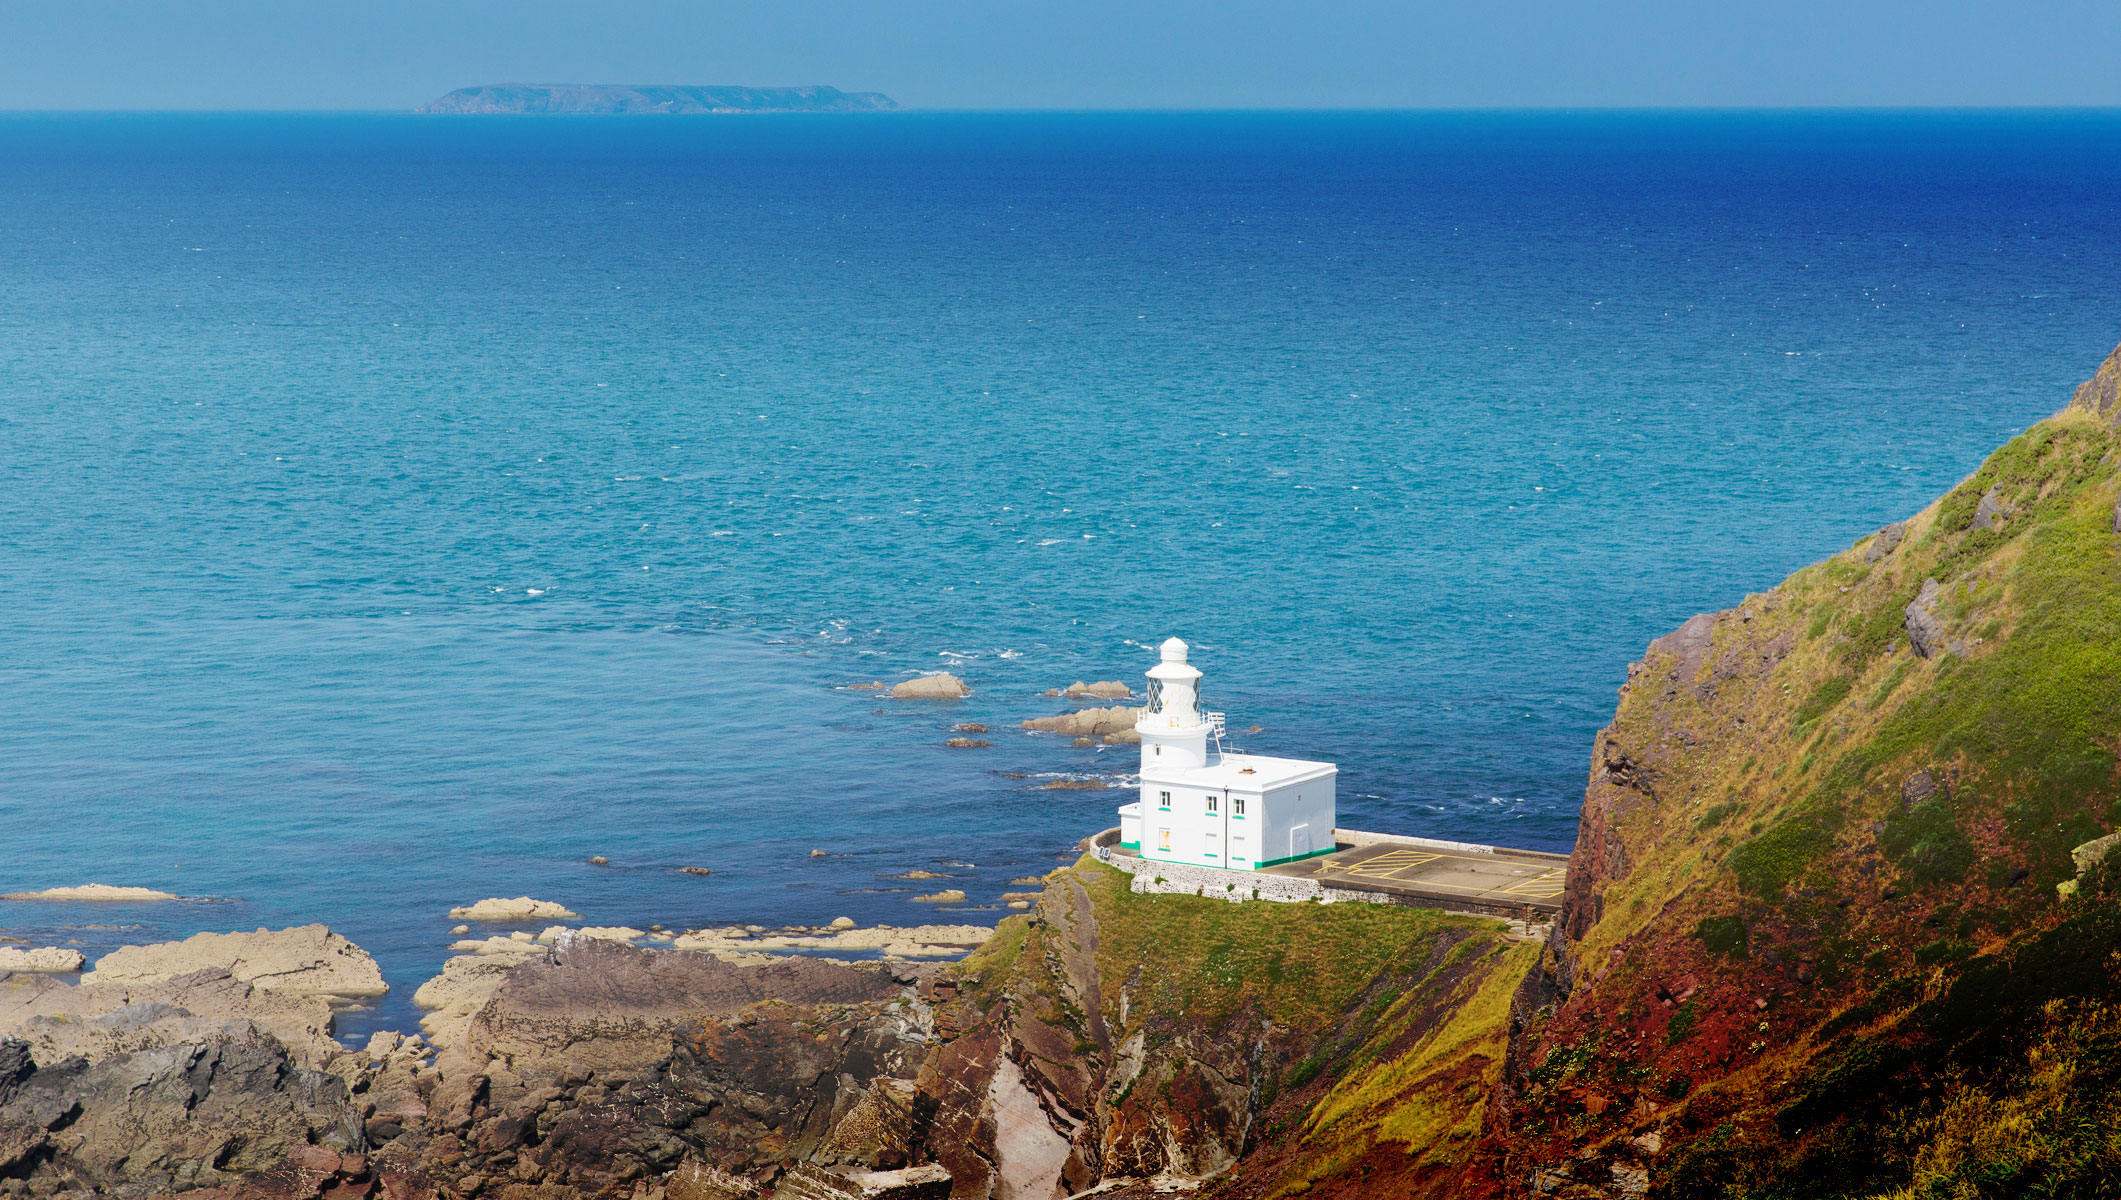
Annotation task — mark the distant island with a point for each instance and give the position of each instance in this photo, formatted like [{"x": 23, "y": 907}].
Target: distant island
[{"x": 601, "y": 99}]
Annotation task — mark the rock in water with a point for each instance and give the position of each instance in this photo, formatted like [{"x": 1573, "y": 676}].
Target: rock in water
[
  {"x": 308, "y": 960},
  {"x": 92, "y": 891},
  {"x": 946, "y": 896},
  {"x": 965, "y": 743},
  {"x": 944, "y": 686},
  {"x": 1106, "y": 689},
  {"x": 521, "y": 908},
  {"x": 1087, "y": 722},
  {"x": 46, "y": 960},
  {"x": 1924, "y": 630}
]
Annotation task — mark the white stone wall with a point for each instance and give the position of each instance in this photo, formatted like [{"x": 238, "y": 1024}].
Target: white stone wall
[{"x": 1178, "y": 879}]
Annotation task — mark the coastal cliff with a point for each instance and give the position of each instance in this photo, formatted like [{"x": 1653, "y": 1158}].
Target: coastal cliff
[
  {"x": 1841, "y": 921},
  {"x": 590, "y": 99}
]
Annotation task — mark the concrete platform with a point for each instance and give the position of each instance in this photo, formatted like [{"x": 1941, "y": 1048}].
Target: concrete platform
[{"x": 1480, "y": 878}]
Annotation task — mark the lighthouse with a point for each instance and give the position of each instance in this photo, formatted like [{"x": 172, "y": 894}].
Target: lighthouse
[{"x": 1216, "y": 806}]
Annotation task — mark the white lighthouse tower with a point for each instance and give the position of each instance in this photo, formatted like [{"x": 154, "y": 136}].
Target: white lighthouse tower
[
  {"x": 1174, "y": 731},
  {"x": 1231, "y": 810}
]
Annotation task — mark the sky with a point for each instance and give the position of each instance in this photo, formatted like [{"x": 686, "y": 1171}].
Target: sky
[{"x": 1080, "y": 54}]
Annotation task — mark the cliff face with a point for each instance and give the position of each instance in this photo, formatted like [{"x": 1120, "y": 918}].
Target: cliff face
[{"x": 1825, "y": 934}]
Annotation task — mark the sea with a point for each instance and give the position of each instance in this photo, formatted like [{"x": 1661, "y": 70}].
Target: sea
[{"x": 400, "y": 511}]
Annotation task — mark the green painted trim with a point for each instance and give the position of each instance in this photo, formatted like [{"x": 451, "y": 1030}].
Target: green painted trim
[
  {"x": 1275, "y": 862},
  {"x": 1130, "y": 845}
]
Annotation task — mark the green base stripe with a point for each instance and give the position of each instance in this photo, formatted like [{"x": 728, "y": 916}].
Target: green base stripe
[
  {"x": 1275, "y": 862},
  {"x": 1130, "y": 845}
]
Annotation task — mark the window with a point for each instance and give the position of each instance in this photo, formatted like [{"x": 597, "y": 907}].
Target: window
[
  {"x": 1211, "y": 806},
  {"x": 1237, "y": 806},
  {"x": 1163, "y": 800}
]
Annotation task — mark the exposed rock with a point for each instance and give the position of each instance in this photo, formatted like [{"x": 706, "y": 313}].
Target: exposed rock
[
  {"x": 809, "y": 1182},
  {"x": 99, "y": 1021},
  {"x": 1125, "y": 737},
  {"x": 968, "y": 727},
  {"x": 514, "y": 944},
  {"x": 521, "y": 908},
  {"x": 167, "y": 1118},
  {"x": 1925, "y": 631},
  {"x": 1072, "y": 785},
  {"x": 842, "y": 923},
  {"x": 2094, "y": 852},
  {"x": 466, "y": 983},
  {"x": 307, "y": 960},
  {"x": 1087, "y": 722},
  {"x": 919, "y": 873},
  {"x": 1110, "y": 689},
  {"x": 1887, "y": 541},
  {"x": 694, "y": 871},
  {"x": 1916, "y": 788},
  {"x": 942, "y": 686},
  {"x": 599, "y": 1006},
  {"x": 698, "y": 1181},
  {"x": 946, "y": 896},
  {"x": 93, "y": 891},
  {"x": 598, "y": 860},
  {"x": 2101, "y": 394},
  {"x": 964, "y": 743},
  {"x": 1991, "y": 511},
  {"x": 1689, "y": 644},
  {"x": 45, "y": 960},
  {"x": 916, "y": 941},
  {"x": 1085, "y": 741},
  {"x": 604, "y": 933}
]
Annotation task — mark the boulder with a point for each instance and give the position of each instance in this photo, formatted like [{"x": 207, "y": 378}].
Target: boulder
[
  {"x": 1990, "y": 512},
  {"x": 943, "y": 686},
  {"x": 946, "y": 896},
  {"x": 1925, "y": 630},
  {"x": 1109, "y": 689},
  {"x": 1087, "y": 722},
  {"x": 1916, "y": 788},
  {"x": 965, "y": 743},
  {"x": 1887, "y": 541},
  {"x": 92, "y": 891},
  {"x": 308, "y": 960},
  {"x": 44, "y": 960},
  {"x": 521, "y": 908}
]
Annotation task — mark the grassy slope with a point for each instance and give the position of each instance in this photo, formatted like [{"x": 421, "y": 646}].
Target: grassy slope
[
  {"x": 1388, "y": 1022},
  {"x": 1806, "y": 985}
]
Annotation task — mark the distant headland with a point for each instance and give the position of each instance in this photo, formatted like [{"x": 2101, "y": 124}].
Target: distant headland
[{"x": 601, "y": 99}]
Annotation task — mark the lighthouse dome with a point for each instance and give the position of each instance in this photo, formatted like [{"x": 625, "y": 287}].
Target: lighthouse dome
[{"x": 1174, "y": 650}]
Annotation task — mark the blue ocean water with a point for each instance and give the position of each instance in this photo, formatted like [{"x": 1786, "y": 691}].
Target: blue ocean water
[{"x": 401, "y": 511}]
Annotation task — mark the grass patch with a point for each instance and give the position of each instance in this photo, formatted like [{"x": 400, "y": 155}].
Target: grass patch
[
  {"x": 1723, "y": 935},
  {"x": 1823, "y": 698}
]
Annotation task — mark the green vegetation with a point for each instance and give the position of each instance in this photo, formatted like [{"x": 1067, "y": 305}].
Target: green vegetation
[
  {"x": 1723, "y": 935},
  {"x": 1826, "y": 696},
  {"x": 1770, "y": 862},
  {"x": 1302, "y": 965},
  {"x": 1927, "y": 843}
]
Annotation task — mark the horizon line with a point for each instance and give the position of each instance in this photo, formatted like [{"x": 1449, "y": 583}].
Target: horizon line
[{"x": 904, "y": 110}]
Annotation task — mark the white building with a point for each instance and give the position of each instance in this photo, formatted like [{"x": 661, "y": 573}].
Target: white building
[{"x": 1233, "y": 810}]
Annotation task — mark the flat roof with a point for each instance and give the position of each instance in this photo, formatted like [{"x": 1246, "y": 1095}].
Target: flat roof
[{"x": 1242, "y": 773}]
